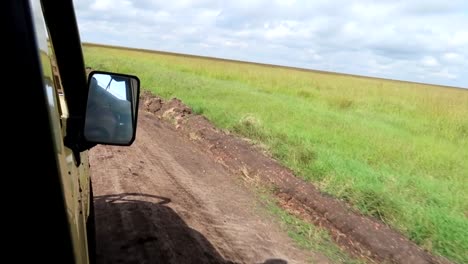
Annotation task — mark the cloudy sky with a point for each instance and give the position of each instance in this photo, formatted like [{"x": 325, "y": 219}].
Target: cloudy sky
[{"x": 415, "y": 40}]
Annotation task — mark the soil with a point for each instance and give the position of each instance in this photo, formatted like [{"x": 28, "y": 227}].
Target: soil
[
  {"x": 179, "y": 195},
  {"x": 165, "y": 200}
]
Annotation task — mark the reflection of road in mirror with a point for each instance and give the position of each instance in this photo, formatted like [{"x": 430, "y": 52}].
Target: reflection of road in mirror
[{"x": 118, "y": 89}]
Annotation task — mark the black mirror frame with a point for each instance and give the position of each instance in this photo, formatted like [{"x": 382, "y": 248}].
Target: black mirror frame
[{"x": 90, "y": 75}]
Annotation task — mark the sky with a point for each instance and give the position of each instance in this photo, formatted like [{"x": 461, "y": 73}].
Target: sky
[
  {"x": 117, "y": 89},
  {"x": 413, "y": 40}
]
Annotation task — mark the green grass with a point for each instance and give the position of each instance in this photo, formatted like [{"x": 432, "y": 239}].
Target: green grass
[{"x": 396, "y": 151}]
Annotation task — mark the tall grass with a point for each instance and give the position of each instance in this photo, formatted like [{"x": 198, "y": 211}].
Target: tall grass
[{"x": 396, "y": 151}]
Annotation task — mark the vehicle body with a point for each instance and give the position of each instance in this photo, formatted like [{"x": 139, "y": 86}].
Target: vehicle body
[{"x": 47, "y": 49}]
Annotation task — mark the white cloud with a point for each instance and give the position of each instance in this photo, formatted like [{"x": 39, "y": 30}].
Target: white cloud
[
  {"x": 107, "y": 5},
  {"x": 453, "y": 58},
  {"x": 281, "y": 30},
  {"x": 429, "y": 61},
  {"x": 101, "y": 5},
  {"x": 390, "y": 38},
  {"x": 237, "y": 44},
  {"x": 445, "y": 73},
  {"x": 459, "y": 38}
]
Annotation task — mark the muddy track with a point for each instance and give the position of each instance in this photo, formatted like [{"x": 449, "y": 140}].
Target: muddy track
[{"x": 165, "y": 200}]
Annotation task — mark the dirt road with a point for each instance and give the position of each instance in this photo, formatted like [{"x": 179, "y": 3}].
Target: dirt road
[{"x": 164, "y": 200}]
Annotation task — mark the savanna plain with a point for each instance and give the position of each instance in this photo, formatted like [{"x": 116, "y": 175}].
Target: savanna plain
[{"x": 393, "y": 150}]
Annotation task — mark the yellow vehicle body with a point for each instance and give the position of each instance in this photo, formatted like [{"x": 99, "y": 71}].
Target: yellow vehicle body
[
  {"x": 54, "y": 174},
  {"x": 75, "y": 176}
]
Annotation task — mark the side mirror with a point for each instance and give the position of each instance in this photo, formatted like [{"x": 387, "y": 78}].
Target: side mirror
[{"x": 112, "y": 108}]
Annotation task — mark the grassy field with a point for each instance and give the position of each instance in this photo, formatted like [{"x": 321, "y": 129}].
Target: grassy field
[{"x": 397, "y": 151}]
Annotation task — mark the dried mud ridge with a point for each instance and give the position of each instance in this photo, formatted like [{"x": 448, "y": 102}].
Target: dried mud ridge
[{"x": 360, "y": 235}]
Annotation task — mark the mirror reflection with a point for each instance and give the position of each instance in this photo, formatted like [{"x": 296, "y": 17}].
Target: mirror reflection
[{"x": 110, "y": 110}]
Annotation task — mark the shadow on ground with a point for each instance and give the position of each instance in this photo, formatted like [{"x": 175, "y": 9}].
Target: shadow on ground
[{"x": 139, "y": 228}]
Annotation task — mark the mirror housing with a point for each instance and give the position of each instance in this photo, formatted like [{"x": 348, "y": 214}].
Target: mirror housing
[{"x": 112, "y": 108}]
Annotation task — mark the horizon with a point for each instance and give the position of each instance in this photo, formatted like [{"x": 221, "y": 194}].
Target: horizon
[{"x": 170, "y": 53}]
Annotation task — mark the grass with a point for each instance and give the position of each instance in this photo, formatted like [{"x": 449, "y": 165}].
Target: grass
[{"x": 396, "y": 151}]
